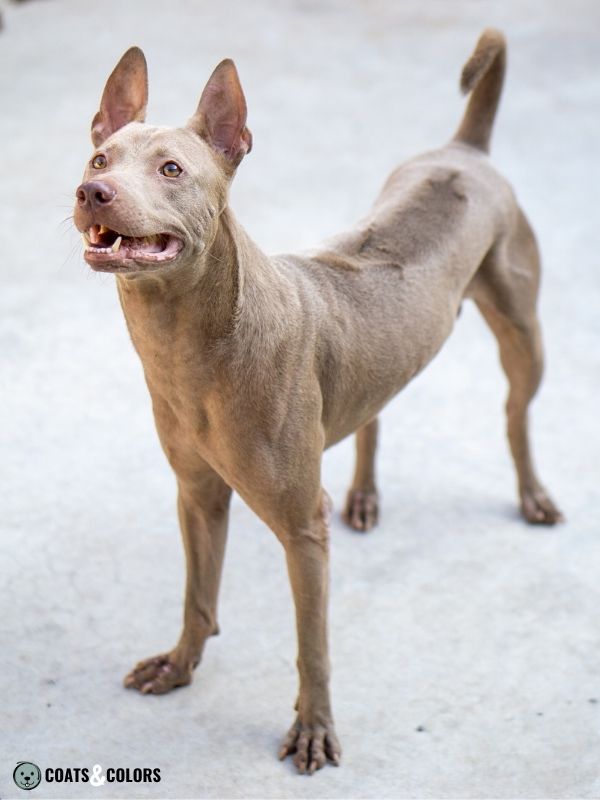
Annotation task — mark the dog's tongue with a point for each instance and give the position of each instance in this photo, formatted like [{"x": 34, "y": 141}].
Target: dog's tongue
[{"x": 149, "y": 245}]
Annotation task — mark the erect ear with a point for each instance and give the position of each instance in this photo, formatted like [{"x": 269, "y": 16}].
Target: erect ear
[
  {"x": 220, "y": 118},
  {"x": 125, "y": 96}
]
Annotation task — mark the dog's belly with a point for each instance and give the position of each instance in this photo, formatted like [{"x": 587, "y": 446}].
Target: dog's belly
[
  {"x": 374, "y": 337},
  {"x": 381, "y": 363}
]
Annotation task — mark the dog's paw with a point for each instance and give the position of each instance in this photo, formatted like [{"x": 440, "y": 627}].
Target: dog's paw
[
  {"x": 158, "y": 675},
  {"x": 311, "y": 746},
  {"x": 538, "y": 508},
  {"x": 362, "y": 509}
]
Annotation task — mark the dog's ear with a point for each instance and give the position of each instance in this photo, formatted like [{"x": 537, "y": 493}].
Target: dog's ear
[
  {"x": 125, "y": 96},
  {"x": 220, "y": 118}
]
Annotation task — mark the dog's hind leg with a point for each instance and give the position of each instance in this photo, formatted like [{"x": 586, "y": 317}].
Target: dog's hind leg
[
  {"x": 362, "y": 506},
  {"x": 505, "y": 290}
]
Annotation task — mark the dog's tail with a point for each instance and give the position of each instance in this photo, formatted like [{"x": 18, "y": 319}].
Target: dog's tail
[{"x": 483, "y": 75}]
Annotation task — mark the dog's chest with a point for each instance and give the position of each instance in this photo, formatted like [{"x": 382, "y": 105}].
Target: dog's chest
[
  {"x": 175, "y": 371},
  {"x": 183, "y": 400},
  {"x": 169, "y": 343}
]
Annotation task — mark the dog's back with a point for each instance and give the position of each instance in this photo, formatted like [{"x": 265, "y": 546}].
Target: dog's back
[{"x": 402, "y": 273}]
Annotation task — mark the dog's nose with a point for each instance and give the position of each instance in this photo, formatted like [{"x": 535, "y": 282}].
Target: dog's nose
[{"x": 95, "y": 193}]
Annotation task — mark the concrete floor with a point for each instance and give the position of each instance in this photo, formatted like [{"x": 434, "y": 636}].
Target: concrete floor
[{"x": 465, "y": 645}]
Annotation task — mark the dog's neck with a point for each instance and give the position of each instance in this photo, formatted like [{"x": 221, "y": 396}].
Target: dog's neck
[{"x": 214, "y": 301}]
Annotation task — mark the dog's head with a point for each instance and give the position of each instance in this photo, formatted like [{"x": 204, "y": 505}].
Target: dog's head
[{"x": 151, "y": 197}]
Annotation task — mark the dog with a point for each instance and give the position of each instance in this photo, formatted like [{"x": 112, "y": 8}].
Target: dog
[{"x": 256, "y": 364}]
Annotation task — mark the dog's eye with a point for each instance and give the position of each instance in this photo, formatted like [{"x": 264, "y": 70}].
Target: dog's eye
[
  {"x": 170, "y": 170},
  {"x": 99, "y": 162}
]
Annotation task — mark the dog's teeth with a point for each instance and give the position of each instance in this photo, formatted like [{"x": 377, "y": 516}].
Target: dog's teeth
[
  {"x": 117, "y": 244},
  {"x": 103, "y": 229},
  {"x": 86, "y": 238}
]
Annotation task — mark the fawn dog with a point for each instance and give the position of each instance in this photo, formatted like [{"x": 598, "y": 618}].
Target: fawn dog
[{"x": 255, "y": 364}]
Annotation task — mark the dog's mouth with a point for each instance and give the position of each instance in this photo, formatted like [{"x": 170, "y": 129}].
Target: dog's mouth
[{"x": 109, "y": 251}]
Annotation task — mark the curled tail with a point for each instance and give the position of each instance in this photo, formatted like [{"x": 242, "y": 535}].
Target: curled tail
[{"x": 483, "y": 76}]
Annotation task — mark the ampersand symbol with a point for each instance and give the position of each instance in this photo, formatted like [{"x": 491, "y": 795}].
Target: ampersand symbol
[{"x": 97, "y": 779}]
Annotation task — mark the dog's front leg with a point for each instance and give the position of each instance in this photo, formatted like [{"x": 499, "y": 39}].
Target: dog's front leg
[
  {"x": 312, "y": 738},
  {"x": 203, "y": 506}
]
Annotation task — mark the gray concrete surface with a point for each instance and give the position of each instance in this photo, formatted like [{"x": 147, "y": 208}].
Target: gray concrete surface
[{"x": 453, "y": 616}]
